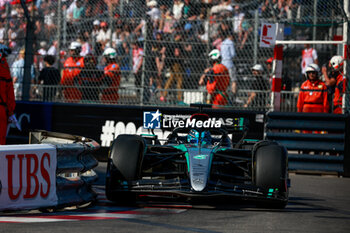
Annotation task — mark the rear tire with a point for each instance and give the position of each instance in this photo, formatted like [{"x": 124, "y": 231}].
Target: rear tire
[
  {"x": 270, "y": 170},
  {"x": 124, "y": 165}
]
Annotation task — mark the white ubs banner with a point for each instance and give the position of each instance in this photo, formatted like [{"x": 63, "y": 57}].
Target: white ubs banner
[{"x": 27, "y": 176}]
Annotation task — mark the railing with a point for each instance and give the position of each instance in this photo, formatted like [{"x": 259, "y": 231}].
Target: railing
[
  {"x": 131, "y": 95},
  {"x": 315, "y": 141}
]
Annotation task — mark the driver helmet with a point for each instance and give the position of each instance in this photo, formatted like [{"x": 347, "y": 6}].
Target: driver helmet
[{"x": 193, "y": 136}]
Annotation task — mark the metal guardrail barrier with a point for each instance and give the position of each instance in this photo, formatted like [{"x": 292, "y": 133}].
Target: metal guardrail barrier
[
  {"x": 315, "y": 141},
  {"x": 75, "y": 163}
]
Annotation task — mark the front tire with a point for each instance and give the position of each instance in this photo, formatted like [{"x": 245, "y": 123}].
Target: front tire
[
  {"x": 270, "y": 170},
  {"x": 124, "y": 165}
]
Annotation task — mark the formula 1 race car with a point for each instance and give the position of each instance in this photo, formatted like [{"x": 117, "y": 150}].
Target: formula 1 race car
[{"x": 197, "y": 163}]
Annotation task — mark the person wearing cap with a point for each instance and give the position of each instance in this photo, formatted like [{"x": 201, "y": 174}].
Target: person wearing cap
[
  {"x": 154, "y": 11},
  {"x": 257, "y": 97},
  {"x": 103, "y": 36},
  {"x": 313, "y": 92},
  {"x": 7, "y": 97},
  {"x": 95, "y": 29},
  {"x": 72, "y": 68}
]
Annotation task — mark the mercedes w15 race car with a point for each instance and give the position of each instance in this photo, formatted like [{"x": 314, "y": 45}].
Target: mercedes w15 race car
[{"x": 197, "y": 163}]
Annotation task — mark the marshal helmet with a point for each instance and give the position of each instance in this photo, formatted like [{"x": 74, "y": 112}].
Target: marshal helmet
[
  {"x": 312, "y": 67},
  {"x": 76, "y": 46},
  {"x": 110, "y": 53},
  {"x": 214, "y": 55},
  {"x": 337, "y": 62}
]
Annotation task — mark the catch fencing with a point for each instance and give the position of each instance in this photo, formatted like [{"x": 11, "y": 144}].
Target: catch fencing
[{"x": 167, "y": 33}]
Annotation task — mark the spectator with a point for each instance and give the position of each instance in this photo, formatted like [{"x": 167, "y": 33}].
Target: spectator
[
  {"x": 117, "y": 36},
  {"x": 218, "y": 40},
  {"x": 72, "y": 68},
  {"x": 18, "y": 73},
  {"x": 313, "y": 92},
  {"x": 270, "y": 8},
  {"x": 95, "y": 9},
  {"x": 12, "y": 34},
  {"x": 203, "y": 26},
  {"x": 247, "y": 28},
  {"x": 157, "y": 65},
  {"x": 95, "y": 29},
  {"x": 49, "y": 77},
  {"x": 308, "y": 56},
  {"x": 168, "y": 23},
  {"x": 238, "y": 18},
  {"x": 39, "y": 58},
  {"x": 286, "y": 84},
  {"x": 217, "y": 80},
  {"x": 190, "y": 10},
  {"x": 257, "y": 96},
  {"x": 40, "y": 32},
  {"x": 154, "y": 11},
  {"x": 177, "y": 9},
  {"x": 111, "y": 77},
  {"x": 175, "y": 55},
  {"x": 85, "y": 46},
  {"x": 53, "y": 48},
  {"x": 163, "y": 11},
  {"x": 137, "y": 60},
  {"x": 329, "y": 77},
  {"x": 76, "y": 11},
  {"x": 214, "y": 28},
  {"x": 69, "y": 10},
  {"x": 7, "y": 104},
  {"x": 89, "y": 79},
  {"x": 124, "y": 54},
  {"x": 194, "y": 58},
  {"x": 79, "y": 11},
  {"x": 2, "y": 31},
  {"x": 103, "y": 37},
  {"x": 224, "y": 5},
  {"x": 228, "y": 53},
  {"x": 49, "y": 19}
]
